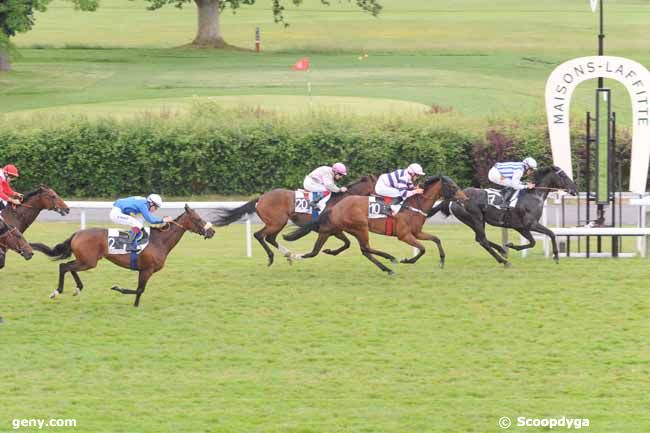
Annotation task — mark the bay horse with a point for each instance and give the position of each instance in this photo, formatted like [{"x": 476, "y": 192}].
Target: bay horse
[
  {"x": 275, "y": 208},
  {"x": 91, "y": 245},
  {"x": 12, "y": 239},
  {"x": 351, "y": 215},
  {"x": 22, "y": 216},
  {"x": 524, "y": 217}
]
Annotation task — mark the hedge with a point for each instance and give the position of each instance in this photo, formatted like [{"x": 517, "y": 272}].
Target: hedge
[{"x": 215, "y": 153}]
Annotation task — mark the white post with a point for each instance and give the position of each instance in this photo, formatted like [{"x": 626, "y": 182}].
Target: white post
[
  {"x": 249, "y": 244},
  {"x": 83, "y": 219}
]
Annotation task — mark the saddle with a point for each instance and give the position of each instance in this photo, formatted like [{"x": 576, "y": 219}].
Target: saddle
[{"x": 118, "y": 241}]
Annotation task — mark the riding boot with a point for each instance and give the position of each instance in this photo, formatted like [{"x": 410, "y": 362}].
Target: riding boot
[
  {"x": 135, "y": 234},
  {"x": 506, "y": 194},
  {"x": 314, "y": 202}
]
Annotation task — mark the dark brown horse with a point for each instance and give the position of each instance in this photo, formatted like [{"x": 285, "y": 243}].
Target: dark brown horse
[
  {"x": 275, "y": 208},
  {"x": 351, "y": 215},
  {"x": 89, "y": 246},
  {"x": 12, "y": 239},
  {"x": 43, "y": 198}
]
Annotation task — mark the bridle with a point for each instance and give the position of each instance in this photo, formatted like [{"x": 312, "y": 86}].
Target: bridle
[{"x": 6, "y": 234}]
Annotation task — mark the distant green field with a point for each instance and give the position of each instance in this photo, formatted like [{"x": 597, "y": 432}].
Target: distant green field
[
  {"x": 222, "y": 343},
  {"x": 481, "y": 60}
]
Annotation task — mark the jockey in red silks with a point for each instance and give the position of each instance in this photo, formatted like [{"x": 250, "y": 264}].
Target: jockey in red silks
[{"x": 7, "y": 195}]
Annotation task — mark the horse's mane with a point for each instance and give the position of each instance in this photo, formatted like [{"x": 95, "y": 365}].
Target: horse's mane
[
  {"x": 34, "y": 193},
  {"x": 541, "y": 173},
  {"x": 449, "y": 187}
]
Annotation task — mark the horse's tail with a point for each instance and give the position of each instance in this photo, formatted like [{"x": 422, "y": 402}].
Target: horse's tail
[
  {"x": 59, "y": 252},
  {"x": 223, "y": 217},
  {"x": 304, "y": 230},
  {"x": 442, "y": 207}
]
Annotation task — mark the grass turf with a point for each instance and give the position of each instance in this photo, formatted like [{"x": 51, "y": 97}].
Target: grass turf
[
  {"x": 222, "y": 343},
  {"x": 481, "y": 61}
]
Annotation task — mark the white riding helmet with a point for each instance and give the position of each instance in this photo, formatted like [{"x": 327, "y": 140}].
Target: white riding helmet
[
  {"x": 415, "y": 169},
  {"x": 530, "y": 163},
  {"x": 155, "y": 200}
]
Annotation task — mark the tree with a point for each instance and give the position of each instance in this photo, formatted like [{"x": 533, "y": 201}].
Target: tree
[
  {"x": 17, "y": 16},
  {"x": 209, "y": 30}
]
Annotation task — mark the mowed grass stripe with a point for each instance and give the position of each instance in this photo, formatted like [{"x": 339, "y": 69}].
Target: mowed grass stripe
[{"x": 223, "y": 343}]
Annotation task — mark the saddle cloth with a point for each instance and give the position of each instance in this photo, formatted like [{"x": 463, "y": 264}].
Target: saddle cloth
[
  {"x": 495, "y": 199},
  {"x": 304, "y": 198},
  {"x": 382, "y": 207},
  {"x": 119, "y": 239}
]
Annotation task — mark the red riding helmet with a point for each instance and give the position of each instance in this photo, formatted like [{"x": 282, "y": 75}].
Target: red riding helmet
[{"x": 10, "y": 170}]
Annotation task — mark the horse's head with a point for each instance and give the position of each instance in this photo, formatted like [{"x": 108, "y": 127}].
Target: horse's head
[
  {"x": 12, "y": 238},
  {"x": 442, "y": 186},
  {"x": 191, "y": 221},
  {"x": 45, "y": 197},
  {"x": 555, "y": 177},
  {"x": 363, "y": 186}
]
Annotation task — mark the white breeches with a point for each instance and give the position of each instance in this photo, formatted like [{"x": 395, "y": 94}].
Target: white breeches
[
  {"x": 310, "y": 185},
  {"x": 495, "y": 176},
  {"x": 386, "y": 190},
  {"x": 120, "y": 218}
]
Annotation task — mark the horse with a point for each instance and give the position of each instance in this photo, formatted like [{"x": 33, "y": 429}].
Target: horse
[
  {"x": 12, "y": 239},
  {"x": 524, "y": 217},
  {"x": 22, "y": 216},
  {"x": 90, "y": 245},
  {"x": 275, "y": 208},
  {"x": 351, "y": 215}
]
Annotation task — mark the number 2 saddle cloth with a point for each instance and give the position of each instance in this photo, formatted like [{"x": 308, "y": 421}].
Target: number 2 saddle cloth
[{"x": 118, "y": 241}]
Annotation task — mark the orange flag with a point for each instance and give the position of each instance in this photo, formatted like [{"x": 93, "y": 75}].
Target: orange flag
[{"x": 302, "y": 64}]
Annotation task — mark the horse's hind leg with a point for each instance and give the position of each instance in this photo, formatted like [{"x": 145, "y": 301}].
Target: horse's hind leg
[
  {"x": 73, "y": 267},
  {"x": 412, "y": 241},
  {"x": 260, "y": 236},
  {"x": 322, "y": 238},
  {"x": 346, "y": 245},
  {"x": 77, "y": 280},
  {"x": 286, "y": 252},
  {"x": 529, "y": 237},
  {"x": 362, "y": 238}
]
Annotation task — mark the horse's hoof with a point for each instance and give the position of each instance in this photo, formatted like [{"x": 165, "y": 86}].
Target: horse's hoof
[
  {"x": 289, "y": 257},
  {"x": 507, "y": 264},
  {"x": 393, "y": 260},
  {"x": 54, "y": 294},
  {"x": 116, "y": 288},
  {"x": 328, "y": 251},
  {"x": 2, "y": 320},
  {"x": 390, "y": 272},
  {"x": 556, "y": 260},
  {"x": 509, "y": 245},
  {"x": 404, "y": 261},
  {"x": 77, "y": 292},
  {"x": 442, "y": 264}
]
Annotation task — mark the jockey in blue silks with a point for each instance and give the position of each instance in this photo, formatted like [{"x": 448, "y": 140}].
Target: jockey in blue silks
[{"x": 127, "y": 211}]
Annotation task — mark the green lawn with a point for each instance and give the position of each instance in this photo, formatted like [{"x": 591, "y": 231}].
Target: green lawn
[
  {"x": 482, "y": 61},
  {"x": 222, "y": 343}
]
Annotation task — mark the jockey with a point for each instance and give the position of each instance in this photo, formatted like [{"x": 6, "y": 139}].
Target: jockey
[
  {"x": 324, "y": 179},
  {"x": 400, "y": 183},
  {"x": 126, "y": 211},
  {"x": 7, "y": 195},
  {"x": 509, "y": 174}
]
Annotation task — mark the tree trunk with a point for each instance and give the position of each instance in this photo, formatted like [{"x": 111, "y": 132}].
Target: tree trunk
[
  {"x": 4, "y": 61},
  {"x": 209, "y": 30}
]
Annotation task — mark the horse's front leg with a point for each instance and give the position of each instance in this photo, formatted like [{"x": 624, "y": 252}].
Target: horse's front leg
[
  {"x": 538, "y": 227},
  {"x": 345, "y": 246},
  {"x": 529, "y": 237}
]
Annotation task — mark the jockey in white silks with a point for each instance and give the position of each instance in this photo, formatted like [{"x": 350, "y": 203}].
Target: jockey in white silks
[
  {"x": 400, "y": 184},
  {"x": 509, "y": 174},
  {"x": 324, "y": 179}
]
